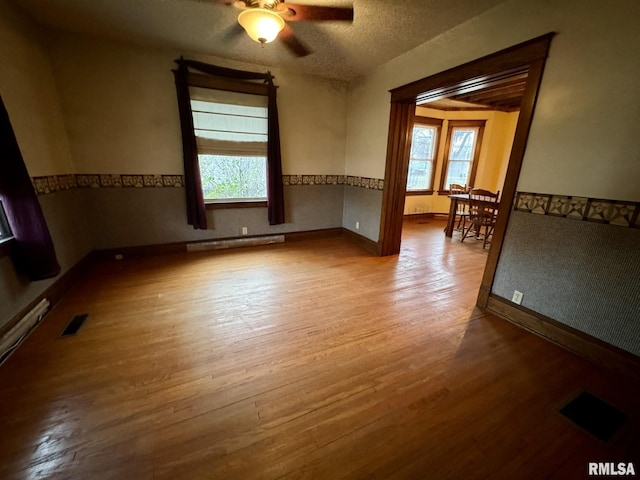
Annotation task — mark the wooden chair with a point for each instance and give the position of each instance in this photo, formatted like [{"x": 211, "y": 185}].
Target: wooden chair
[
  {"x": 483, "y": 209},
  {"x": 462, "y": 209},
  {"x": 487, "y": 194}
]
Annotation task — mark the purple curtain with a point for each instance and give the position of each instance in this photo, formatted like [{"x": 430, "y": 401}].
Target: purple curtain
[
  {"x": 275, "y": 190},
  {"x": 34, "y": 253},
  {"x": 195, "y": 202},
  {"x": 196, "y": 212}
]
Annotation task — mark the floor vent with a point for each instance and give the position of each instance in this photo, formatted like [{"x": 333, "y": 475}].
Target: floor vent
[
  {"x": 234, "y": 243},
  {"x": 594, "y": 416},
  {"x": 74, "y": 325}
]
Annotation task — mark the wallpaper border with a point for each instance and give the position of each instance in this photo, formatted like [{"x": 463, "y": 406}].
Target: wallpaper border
[
  {"x": 611, "y": 212},
  {"x": 44, "y": 185},
  {"x": 352, "y": 181}
]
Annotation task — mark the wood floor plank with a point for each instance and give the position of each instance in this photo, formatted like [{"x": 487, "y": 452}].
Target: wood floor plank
[{"x": 311, "y": 359}]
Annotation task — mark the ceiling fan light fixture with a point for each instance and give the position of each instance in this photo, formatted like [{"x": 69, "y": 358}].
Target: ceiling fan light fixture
[{"x": 262, "y": 25}]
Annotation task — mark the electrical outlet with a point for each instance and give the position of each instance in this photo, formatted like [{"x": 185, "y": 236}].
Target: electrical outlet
[
  {"x": 357, "y": 225},
  {"x": 244, "y": 230},
  {"x": 517, "y": 297}
]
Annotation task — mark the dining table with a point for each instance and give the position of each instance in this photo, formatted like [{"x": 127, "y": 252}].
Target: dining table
[{"x": 457, "y": 199}]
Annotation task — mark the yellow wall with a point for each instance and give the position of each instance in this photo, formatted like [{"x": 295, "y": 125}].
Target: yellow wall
[{"x": 492, "y": 163}]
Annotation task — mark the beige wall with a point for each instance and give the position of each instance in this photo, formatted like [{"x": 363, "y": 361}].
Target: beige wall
[
  {"x": 494, "y": 155},
  {"x": 573, "y": 148},
  {"x": 120, "y": 107},
  {"x": 28, "y": 90},
  {"x": 29, "y": 93}
]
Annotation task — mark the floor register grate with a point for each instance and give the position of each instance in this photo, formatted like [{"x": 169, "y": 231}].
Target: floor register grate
[{"x": 594, "y": 416}]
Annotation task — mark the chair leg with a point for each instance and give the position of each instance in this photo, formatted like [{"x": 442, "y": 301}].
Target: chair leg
[
  {"x": 466, "y": 232},
  {"x": 462, "y": 220}
]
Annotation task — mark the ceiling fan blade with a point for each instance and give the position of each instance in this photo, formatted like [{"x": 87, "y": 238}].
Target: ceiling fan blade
[
  {"x": 298, "y": 13},
  {"x": 292, "y": 43}
]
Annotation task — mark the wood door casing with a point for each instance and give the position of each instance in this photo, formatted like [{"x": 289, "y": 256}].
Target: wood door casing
[{"x": 529, "y": 56}]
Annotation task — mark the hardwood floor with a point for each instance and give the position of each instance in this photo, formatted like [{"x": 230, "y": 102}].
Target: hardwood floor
[{"x": 304, "y": 360}]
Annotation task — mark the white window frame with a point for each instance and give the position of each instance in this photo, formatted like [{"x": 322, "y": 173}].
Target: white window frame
[
  {"x": 435, "y": 124},
  {"x": 454, "y": 125},
  {"x": 231, "y": 148}
]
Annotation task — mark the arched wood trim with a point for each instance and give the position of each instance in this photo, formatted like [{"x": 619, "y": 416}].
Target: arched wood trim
[{"x": 529, "y": 56}]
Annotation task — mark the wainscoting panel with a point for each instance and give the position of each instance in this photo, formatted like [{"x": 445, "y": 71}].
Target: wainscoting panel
[
  {"x": 576, "y": 268},
  {"x": 65, "y": 213},
  {"x": 123, "y": 217},
  {"x": 363, "y": 206}
]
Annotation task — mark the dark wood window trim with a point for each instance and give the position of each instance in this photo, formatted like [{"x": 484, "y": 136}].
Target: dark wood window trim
[
  {"x": 444, "y": 189},
  {"x": 230, "y": 85},
  {"x": 420, "y": 120},
  {"x": 433, "y": 122},
  {"x": 223, "y": 205}
]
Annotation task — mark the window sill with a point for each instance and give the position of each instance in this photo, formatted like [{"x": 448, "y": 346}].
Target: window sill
[
  {"x": 6, "y": 245},
  {"x": 419, "y": 192},
  {"x": 222, "y": 205}
]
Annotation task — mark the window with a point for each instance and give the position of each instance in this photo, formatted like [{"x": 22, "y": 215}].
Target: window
[
  {"x": 422, "y": 160},
  {"x": 231, "y": 134},
  {"x": 5, "y": 232},
  {"x": 462, "y": 152}
]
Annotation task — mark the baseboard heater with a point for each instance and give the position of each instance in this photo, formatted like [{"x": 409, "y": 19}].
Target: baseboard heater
[
  {"x": 19, "y": 332},
  {"x": 234, "y": 243}
]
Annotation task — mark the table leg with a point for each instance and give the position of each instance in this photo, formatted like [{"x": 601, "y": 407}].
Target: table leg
[{"x": 448, "y": 230}]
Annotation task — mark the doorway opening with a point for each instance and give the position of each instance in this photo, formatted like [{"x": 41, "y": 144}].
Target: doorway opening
[
  {"x": 526, "y": 58},
  {"x": 461, "y": 137}
]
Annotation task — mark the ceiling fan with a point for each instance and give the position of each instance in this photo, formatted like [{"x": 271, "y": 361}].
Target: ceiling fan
[{"x": 265, "y": 20}]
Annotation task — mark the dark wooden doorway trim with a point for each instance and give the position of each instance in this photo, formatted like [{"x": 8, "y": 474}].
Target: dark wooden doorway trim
[{"x": 529, "y": 56}]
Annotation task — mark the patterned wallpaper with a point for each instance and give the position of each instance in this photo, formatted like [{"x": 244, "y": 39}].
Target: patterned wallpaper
[
  {"x": 611, "y": 212},
  {"x": 363, "y": 182},
  {"x": 55, "y": 183}
]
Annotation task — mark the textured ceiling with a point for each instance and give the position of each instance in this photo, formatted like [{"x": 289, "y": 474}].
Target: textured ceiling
[{"x": 381, "y": 29}]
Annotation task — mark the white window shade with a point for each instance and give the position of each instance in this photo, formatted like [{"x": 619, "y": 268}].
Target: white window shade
[
  {"x": 213, "y": 95},
  {"x": 224, "y": 116},
  {"x": 231, "y": 132}
]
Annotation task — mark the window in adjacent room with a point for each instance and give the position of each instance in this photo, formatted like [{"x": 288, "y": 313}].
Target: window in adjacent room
[
  {"x": 5, "y": 232},
  {"x": 422, "y": 160},
  {"x": 462, "y": 152},
  {"x": 231, "y": 135}
]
